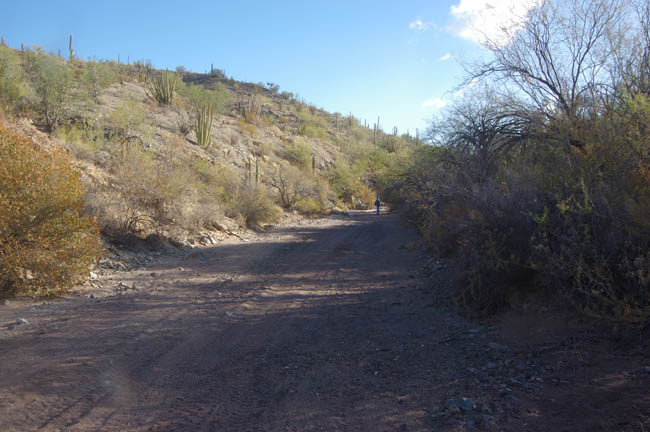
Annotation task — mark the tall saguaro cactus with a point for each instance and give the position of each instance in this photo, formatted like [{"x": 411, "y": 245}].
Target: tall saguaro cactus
[{"x": 71, "y": 50}]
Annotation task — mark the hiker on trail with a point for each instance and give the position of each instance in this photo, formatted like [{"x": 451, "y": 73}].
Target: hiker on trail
[{"x": 377, "y": 203}]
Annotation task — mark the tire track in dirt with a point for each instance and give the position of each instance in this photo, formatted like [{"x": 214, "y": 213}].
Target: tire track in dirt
[{"x": 325, "y": 325}]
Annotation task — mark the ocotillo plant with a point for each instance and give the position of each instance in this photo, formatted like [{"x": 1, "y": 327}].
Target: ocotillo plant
[
  {"x": 161, "y": 87},
  {"x": 204, "y": 126}
]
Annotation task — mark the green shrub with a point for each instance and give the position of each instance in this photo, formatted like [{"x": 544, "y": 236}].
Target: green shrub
[
  {"x": 312, "y": 125},
  {"x": 96, "y": 77},
  {"x": 47, "y": 242},
  {"x": 310, "y": 206},
  {"x": 346, "y": 183},
  {"x": 84, "y": 142},
  {"x": 52, "y": 82},
  {"x": 12, "y": 83},
  {"x": 198, "y": 96},
  {"x": 299, "y": 153},
  {"x": 129, "y": 125}
]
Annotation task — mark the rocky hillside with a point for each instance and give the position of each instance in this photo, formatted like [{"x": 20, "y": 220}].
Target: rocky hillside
[{"x": 150, "y": 167}]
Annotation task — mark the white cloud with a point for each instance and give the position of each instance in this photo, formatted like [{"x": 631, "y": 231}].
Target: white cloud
[
  {"x": 419, "y": 25},
  {"x": 445, "y": 57},
  {"x": 481, "y": 20},
  {"x": 435, "y": 103}
]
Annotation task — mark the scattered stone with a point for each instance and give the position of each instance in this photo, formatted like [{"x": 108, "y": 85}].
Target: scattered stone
[
  {"x": 6, "y": 303},
  {"x": 521, "y": 366},
  {"x": 461, "y": 404},
  {"x": 498, "y": 347},
  {"x": 93, "y": 276},
  {"x": 21, "y": 321}
]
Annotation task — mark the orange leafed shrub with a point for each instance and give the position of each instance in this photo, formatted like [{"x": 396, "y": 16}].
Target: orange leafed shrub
[{"x": 47, "y": 242}]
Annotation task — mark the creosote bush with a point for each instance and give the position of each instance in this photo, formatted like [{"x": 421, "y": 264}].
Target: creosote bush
[{"x": 47, "y": 242}]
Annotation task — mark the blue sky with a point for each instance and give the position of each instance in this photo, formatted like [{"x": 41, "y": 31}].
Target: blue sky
[{"x": 396, "y": 60}]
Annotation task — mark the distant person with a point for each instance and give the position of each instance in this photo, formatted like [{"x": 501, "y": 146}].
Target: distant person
[{"x": 377, "y": 203}]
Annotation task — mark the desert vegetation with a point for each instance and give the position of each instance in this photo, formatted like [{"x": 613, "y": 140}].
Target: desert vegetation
[
  {"x": 172, "y": 153},
  {"x": 538, "y": 177},
  {"x": 47, "y": 241}
]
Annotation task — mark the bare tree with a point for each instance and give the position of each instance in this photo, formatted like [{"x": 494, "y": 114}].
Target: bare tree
[
  {"x": 631, "y": 52},
  {"x": 292, "y": 185},
  {"x": 480, "y": 129},
  {"x": 559, "y": 61}
]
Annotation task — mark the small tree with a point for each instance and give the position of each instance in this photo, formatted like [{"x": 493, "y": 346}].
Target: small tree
[
  {"x": 52, "y": 82},
  {"x": 96, "y": 77},
  {"x": 292, "y": 186}
]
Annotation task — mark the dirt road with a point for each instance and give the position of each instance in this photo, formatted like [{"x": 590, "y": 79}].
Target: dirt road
[{"x": 327, "y": 325}]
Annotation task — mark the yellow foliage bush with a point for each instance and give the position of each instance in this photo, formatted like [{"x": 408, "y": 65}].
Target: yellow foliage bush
[{"x": 47, "y": 242}]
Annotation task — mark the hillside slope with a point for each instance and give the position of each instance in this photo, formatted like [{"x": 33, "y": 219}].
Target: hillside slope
[{"x": 146, "y": 170}]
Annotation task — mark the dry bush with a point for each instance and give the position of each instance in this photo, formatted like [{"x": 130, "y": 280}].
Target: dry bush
[
  {"x": 83, "y": 141},
  {"x": 247, "y": 127},
  {"x": 47, "y": 242},
  {"x": 251, "y": 204},
  {"x": 160, "y": 191},
  {"x": 292, "y": 185},
  {"x": 594, "y": 237},
  {"x": 263, "y": 148},
  {"x": 571, "y": 220}
]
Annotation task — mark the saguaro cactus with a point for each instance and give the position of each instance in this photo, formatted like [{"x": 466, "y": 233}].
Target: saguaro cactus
[{"x": 71, "y": 50}]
